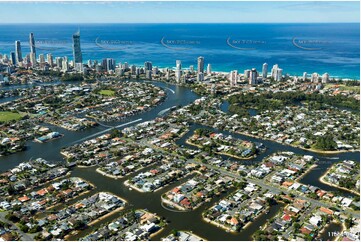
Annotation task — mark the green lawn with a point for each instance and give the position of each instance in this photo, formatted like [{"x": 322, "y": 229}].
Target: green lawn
[
  {"x": 343, "y": 87},
  {"x": 8, "y": 116},
  {"x": 107, "y": 92}
]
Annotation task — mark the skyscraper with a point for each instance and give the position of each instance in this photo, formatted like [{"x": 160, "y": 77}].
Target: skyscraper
[
  {"x": 191, "y": 68},
  {"x": 32, "y": 44},
  {"x": 41, "y": 59},
  {"x": 264, "y": 70},
  {"x": 209, "y": 69},
  {"x": 304, "y": 76},
  {"x": 5, "y": 58},
  {"x": 59, "y": 62},
  {"x": 148, "y": 74},
  {"x": 110, "y": 64},
  {"x": 178, "y": 64},
  {"x": 253, "y": 77},
  {"x": 178, "y": 70},
  {"x": 13, "y": 57},
  {"x": 279, "y": 74},
  {"x": 200, "y": 76},
  {"x": 200, "y": 68},
  {"x": 148, "y": 66},
  {"x": 65, "y": 64},
  {"x": 246, "y": 74},
  {"x": 325, "y": 78},
  {"x": 76, "y": 48},
  {"x": 50, "y": 59},
  {"x": 19, "y": 57},
  {"x": 276, "y": 73},
  {"x": 32, "y": 59},
  {"x": 314, "y": 77},
  {"x": 233, "y": 76},
  {"x": 133, "y": 69}
]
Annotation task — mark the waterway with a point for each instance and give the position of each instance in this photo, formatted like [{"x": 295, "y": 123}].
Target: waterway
[
  {"x": 331, "y": 232},
  {"x": 192, "y": 220},
  {"x": 51, "y": 150}
]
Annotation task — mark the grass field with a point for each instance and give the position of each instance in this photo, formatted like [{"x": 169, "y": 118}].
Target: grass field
[
  {"x": 343, "y": 87},
  {"x": 8, "y": 116},
  {"x": 107, "y": 92}
]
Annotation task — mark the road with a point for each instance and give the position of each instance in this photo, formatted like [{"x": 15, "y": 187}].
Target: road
[
  {"x": 263, "y": 184},
  {"x": 23, "y": 236}
]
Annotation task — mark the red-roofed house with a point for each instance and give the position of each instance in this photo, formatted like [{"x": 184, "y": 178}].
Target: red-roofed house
[{"x": 24, "y": 198}]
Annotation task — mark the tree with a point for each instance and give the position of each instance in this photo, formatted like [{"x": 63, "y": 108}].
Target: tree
[
  {"x": 115, "y": 133},
  {"x": 174, "y": 232},
  {"x": 348, "y": 222},
  {"x": 296, "y": 226},
  {"x": 325, "y": 142},
  {"x": 79, "y": 224}
]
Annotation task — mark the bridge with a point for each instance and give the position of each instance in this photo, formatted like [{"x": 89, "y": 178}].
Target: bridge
[{"x": 105, "y": 131}]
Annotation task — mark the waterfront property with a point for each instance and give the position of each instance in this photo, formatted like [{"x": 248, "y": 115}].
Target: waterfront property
[
  {"x": 221, "y": 144},
  {"x": 345, "y": 175},
  {"x": 45, "y": 197},
  {"x": 193, "y": 193},
  {"x": 157, "y": 178},
  {"x": 182, "y": 236},
  {"x": 79, "y": 215},
  {"x": 130, "y": 226},
  {"x": 239, "y": 208},
  {"x": 29, "y": 176}
]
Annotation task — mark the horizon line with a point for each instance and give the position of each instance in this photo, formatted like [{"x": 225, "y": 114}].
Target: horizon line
[{"x": 87, "y": 23}]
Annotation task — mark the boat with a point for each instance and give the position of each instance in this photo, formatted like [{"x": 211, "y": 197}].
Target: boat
[
  {"x": 130, "y": 189},
  {"x": 332, "y": 158}
]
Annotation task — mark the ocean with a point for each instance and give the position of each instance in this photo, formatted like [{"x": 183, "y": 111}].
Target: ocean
[{"x": 296, "y": 48}]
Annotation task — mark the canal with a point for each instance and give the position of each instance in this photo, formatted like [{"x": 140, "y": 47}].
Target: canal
[{"x": 191, "y": 220}]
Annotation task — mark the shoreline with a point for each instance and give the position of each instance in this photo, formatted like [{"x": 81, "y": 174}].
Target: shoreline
[
  {"x": 244, "y": 227},
  {"x": 306, "y": 172},
  {"x": 106, "y": 216},
  {"x": 326, "y": 226},
  {"x": 128, "y": 174},
  {"x": 75, "y": 232},
  {"x": 299, "y": 147},
  {"x": 322, "y": 180},
  {"x": 126, "y": 183},
  {"x": 221, "y": 153},
  {"x": 166, "y": 201},
  {"x": 332, "y": 152}
]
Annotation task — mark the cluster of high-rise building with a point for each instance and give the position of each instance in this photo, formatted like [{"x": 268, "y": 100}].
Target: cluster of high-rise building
[
  {"x": 31, "y": 60},
  {"x": 181, "y": 75},
  {"x": 276, "y": 73},
  {"x": 109, "y": 65},
  {"x": 253, "y": 77}
]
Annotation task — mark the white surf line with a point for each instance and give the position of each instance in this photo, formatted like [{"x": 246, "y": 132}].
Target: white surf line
[
  {"x": 165, "y": 110},
  {"x": 170, "y": 89},
  {"x": 106, "y": 130}
]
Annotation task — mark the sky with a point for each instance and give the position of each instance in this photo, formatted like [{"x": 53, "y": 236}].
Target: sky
[{"x": 179, "y": 12}]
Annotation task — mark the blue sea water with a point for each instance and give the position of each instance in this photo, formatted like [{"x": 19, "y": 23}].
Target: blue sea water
[{"x": 296, "y": 48}]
